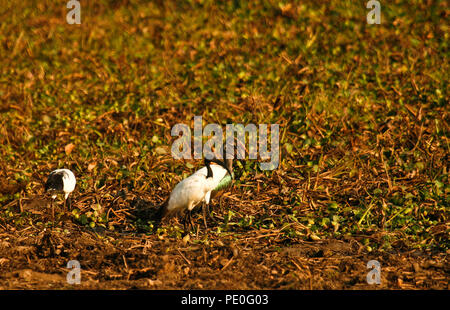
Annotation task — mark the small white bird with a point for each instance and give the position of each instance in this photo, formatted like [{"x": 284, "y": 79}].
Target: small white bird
[
  {"x": 61, "y": 181},
  {"x": 190, "y": 192}
]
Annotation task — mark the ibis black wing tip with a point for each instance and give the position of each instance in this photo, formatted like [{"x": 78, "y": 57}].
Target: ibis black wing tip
[{"x": 54, "y": 182}]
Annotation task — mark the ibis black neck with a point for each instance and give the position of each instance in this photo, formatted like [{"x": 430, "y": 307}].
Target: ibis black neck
[
  {"x": 208, "y": 167},
  {"x": 217, "y": 161}
]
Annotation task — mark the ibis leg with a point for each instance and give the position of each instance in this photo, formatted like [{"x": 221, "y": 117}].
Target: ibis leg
[
  {"x": 205, "y": 209},
  {"x": 69, "y": 203},
  {"x": 185, "y": 220},
  {"x": 191, "y": 224},
  {"x": 53, "y": 210},
  {"x": 208, "y": 212},
  {"x": 188, "y": 224}
]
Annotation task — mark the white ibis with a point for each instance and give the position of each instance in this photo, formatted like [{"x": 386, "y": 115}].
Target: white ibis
[
  {"x": 60, "y": 181},
  {"x": 190, "y": 192}
]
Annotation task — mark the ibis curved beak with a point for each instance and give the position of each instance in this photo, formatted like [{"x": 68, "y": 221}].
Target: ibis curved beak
[{"x": 231, "y": 173}]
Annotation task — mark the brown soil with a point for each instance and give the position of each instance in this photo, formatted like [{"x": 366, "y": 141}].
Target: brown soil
[{"x": 33, "y": 258}]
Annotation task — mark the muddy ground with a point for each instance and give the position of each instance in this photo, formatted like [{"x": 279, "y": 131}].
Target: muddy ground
[{"x": 35, "y": 258}]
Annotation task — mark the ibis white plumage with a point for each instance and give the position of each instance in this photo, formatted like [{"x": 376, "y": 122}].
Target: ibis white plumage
[
  {"x": 60, "y": 181},
  {"x": 190, "y": 192},
  {"x": 222, "y": 175}
]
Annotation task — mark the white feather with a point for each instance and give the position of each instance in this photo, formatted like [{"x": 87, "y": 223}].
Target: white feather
[
  {"x": 219, "y": 173},
  {"x": 69, "y": 180},
  {"x": 191, "y": 191}
]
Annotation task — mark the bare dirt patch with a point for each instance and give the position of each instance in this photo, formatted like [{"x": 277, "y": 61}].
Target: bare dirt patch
[{"x": 34, "y": 259}]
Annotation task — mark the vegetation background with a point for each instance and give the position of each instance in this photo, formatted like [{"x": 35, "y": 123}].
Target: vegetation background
[{"x": 363, "y": 112}]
